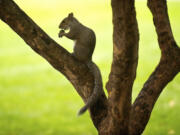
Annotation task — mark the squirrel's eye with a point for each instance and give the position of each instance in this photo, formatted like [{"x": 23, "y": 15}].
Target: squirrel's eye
[{"x": 63, "y": 21}]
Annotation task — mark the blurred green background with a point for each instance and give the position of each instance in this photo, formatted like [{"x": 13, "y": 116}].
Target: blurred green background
[{"x": 35, "y": 99}]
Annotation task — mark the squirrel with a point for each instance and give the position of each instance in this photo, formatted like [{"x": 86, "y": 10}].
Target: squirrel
[{"x": 85, "y": 41}]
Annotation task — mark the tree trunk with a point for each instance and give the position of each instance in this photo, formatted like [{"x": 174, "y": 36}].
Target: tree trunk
[
  {"x": 123, "y": 69},
  {"x": 114, "y": 115}
]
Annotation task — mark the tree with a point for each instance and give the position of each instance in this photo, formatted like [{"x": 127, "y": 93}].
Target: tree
[{"x": 112, "y": 115}]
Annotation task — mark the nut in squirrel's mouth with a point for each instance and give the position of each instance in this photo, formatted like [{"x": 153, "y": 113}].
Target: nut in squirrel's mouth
[{"x": 66, "y": 30}]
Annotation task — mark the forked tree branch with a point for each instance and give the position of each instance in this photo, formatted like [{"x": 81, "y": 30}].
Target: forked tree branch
[
  {"x": 77, "y": 73},
  {"x": 167, "y": 69},
  {"x": 115, "y": 116},
  {"x": 123, "y": 69}
]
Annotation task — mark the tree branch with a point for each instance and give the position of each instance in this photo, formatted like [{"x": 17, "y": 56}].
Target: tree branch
[
  {"x": 77, "y": 73},
  {"x": 167, "y": 69},
  {"x": 125, "y": 59}
]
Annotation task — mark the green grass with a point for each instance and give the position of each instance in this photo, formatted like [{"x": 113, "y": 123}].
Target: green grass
[{"x": 35, "y": 99}]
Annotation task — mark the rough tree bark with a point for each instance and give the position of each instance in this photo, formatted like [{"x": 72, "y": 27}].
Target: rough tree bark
[
  {"x": 166, "y": 70},
  {"x": 114, "y": 115}
]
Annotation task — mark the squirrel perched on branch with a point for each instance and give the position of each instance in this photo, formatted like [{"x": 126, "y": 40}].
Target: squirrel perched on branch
[{"x": 85, "y": 41}]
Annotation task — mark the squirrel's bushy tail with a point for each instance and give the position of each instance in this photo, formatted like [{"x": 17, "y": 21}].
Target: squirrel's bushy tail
[{"x": 97, "y": 91}]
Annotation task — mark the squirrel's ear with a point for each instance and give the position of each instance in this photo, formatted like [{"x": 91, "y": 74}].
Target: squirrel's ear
[{"x": 70, "y": 15}]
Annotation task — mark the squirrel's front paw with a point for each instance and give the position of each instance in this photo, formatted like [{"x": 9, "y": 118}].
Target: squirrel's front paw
[{"x": 61, "y": 33}]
